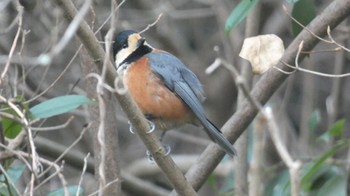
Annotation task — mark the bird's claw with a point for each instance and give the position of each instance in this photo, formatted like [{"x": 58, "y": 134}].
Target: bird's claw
[
  {"x": 167, "y": 149},
  {"x": 151, "y": 125},
  {"x": 131, "y": 129},
  {"x": 149, "y": 157}
]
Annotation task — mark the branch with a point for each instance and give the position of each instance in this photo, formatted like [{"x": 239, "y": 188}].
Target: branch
[
  {"x": 336, "y": 12},
  {"x": 14, "y": 44}
]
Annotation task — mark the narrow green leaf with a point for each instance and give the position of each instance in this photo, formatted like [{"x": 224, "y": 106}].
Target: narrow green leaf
[
  {"x": 71, "y": 189},
  {"x": 316, "y": 176},
  {"x": 58, "y": 105},
  {"x": 337, "y": 128},
  {"x": 239, "y": 13},
  {"x": 318, "y": 163},
  {"x": 336, "y": 185},
  {"x": 335, "y": 131},
  {"x": 303, "y": 11}
]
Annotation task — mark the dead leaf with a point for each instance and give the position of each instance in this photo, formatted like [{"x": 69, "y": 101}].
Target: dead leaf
[{"x": 263, "y": 52}]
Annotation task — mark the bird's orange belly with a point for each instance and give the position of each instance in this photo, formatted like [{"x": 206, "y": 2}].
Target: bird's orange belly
[{"x": 154, "y": 98}]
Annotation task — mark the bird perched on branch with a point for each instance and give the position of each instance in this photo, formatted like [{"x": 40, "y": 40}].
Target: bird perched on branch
[{"x": 166, "y": 91}]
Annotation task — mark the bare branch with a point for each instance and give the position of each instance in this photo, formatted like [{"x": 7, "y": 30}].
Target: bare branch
[
  {"x": 82, "y": 173},
  {"x": 8, "y": 179},
  {"x": 297, "y": 67},
  {"x": 14, "y": 44},
  {"x": 151, "y": 25},
  {"x": 72, "y": 29}
]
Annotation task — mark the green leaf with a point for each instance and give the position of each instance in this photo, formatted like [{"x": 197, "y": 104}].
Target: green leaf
[
  {"x": 10, "y": 127},
  {"x": 318, "y": 163},
  {"x": 303, "y": 11},
  {"x": 336, "y": 185},
  {"x": 335, "y": 131},
  {"x": 313, "y": 121},
  {"x": 58, "y": 105},
  {"x": 71, "y": 189},
  {"x": 239, "y": 13}
]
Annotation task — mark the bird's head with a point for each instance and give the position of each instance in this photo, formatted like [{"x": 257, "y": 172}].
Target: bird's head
[{"x": 128, "y": 46}]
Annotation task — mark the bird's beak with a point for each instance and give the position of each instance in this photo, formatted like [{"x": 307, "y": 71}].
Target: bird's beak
[{"x": 140, "y": 42}]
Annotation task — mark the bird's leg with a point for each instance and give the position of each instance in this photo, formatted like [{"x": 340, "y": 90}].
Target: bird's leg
[{"x": 162, "y": 136}]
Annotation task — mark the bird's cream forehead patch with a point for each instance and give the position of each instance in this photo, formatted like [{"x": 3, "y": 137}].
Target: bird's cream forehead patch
[{"x": 133, "y": 39}]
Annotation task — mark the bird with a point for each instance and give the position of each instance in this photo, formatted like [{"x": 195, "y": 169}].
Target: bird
[{"x": 167, "y": 92}]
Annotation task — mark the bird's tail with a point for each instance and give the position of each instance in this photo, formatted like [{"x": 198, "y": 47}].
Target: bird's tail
[{"x": 216, "y": 135}]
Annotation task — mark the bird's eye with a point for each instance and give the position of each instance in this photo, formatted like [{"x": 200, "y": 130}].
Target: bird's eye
[{"x": 125, "y": 46}]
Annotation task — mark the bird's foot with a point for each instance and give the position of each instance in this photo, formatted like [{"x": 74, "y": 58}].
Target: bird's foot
[
  {"x": 152, "y": 127},
  {"x": 167, "y": 149},
  {"x": 131, "y": 129}
]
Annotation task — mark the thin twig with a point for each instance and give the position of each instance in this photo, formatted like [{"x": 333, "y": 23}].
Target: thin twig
[
  {"x": 297, "y": 67},
  {"x": 9, "y": 180},
  {"x": 69, "y": 148},
  {"x": 58, "y": 77},
  {"x": 330, "y": 41},
  {"x": 334, "y": 42},
  {"x": 106, "y": 186},
  {"x": 14, "y": 152},
  {"x": 72, "y": 29},
  {"x": 52, "y": 128},
  {"x": 82, "y": 173},
  {"x": 14, "y": 43},
  {"x": 151, "y": 25},
  {"x": 35, "y": 162},
  {"x": 50, "y": 164}
]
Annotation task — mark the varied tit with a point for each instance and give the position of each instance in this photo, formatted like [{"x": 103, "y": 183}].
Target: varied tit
[{"x": 166, "y": 91}]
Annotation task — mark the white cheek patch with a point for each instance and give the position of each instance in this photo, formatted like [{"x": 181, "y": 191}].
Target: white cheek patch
[{"x": 123, "y": 54}]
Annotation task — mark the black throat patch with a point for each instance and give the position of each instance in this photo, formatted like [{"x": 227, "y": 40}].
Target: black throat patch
[{"x": 138, "y": 53}]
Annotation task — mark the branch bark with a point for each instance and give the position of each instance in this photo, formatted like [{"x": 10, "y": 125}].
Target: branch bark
[{"x": 336, "y": 12}]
